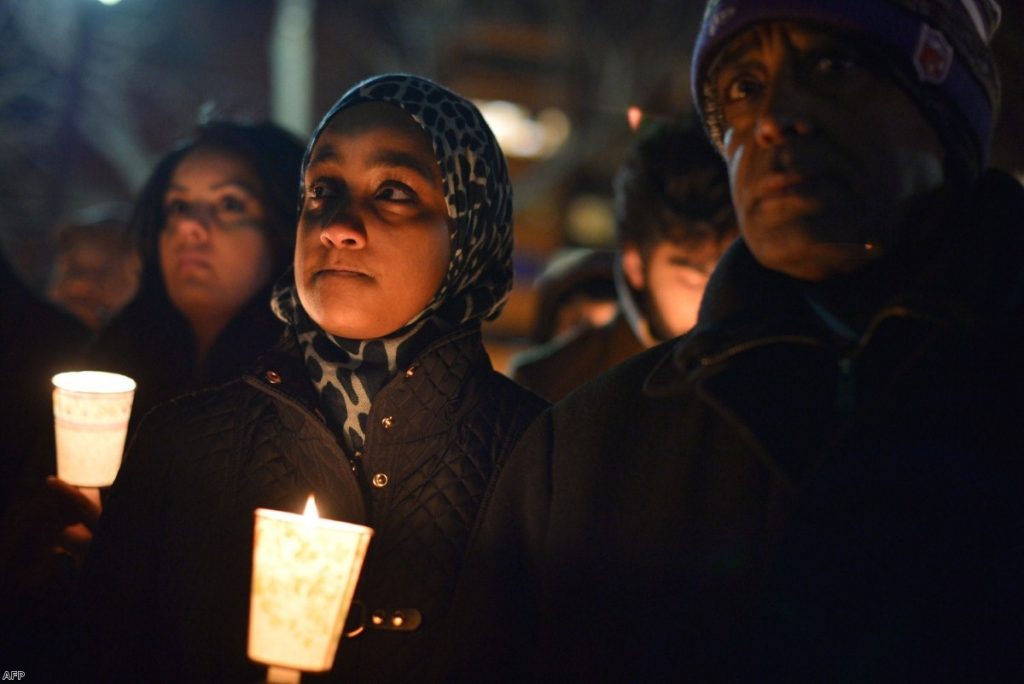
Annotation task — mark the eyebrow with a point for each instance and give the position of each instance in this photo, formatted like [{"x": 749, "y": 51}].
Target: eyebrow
[
  {"x": 230, "y": 183},
  {"x": 382, "y": 158},
  {"x": 732, "y": 53}
]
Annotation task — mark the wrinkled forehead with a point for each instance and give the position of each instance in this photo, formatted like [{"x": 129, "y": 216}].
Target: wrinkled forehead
[{"x": 798, "y": 36}]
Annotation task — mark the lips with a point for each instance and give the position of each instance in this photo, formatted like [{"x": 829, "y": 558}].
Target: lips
[
  {"x": 783, "y": 184},
  {"x": 192, "y": 260},
  {"x": 341, "y": 271},
  {"x": 790, "y": 185}
]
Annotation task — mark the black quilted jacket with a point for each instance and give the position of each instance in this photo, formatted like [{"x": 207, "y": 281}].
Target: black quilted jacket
[{"x": 166, "y": 587}]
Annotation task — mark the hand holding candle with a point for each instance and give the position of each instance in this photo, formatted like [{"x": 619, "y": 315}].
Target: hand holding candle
[{"x": 304, "y": 575}]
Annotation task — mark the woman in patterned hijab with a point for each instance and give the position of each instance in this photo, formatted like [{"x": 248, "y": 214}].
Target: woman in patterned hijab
[
  {"x": 380, "y": 400},
  {"x": 472, "y": 174}
]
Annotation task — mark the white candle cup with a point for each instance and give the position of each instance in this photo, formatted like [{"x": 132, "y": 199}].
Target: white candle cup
[
  {"x": 304, "y": 575},
  {"x": 90, "y": 422}
]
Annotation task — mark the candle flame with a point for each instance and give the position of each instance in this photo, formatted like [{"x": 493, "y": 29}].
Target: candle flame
[
  {"x": 634, "y": 115},
  {"x": 310, "y": 511}
]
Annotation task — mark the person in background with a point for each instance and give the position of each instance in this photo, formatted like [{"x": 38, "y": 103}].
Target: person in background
[
  {"x": 215, "y": 223},
  {"x": 822, "y": 480},
  {"x": 96, "y": 269},
  {"x": 674, "y": 219},
  {"x": 37, "y": 340},
  {"x": 380, "y": 399},
  {"x": 575, "y": 290}
]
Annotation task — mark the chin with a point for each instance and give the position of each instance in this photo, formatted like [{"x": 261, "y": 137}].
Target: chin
[
  {"x": 347, "y": 328},
  {"x": 821, "y": 262},
  {"x": 807, "y": 252}
]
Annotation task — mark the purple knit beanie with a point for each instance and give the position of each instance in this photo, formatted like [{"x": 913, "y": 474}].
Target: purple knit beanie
[{"x": 938, "y": 50}]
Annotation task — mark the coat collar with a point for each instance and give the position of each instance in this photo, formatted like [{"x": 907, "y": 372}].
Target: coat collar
[
  {"x": 971, "y": 277},
  {"x": 424, "y": 399},
  {"x": 422, "y": 394}
]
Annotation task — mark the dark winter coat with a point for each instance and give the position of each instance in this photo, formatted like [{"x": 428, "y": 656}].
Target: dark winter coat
[
  {"x": 151, "y": 342},
  {"x": 554, "y": 369},
  {"x": 762, "y": 500},
  {"x": 168, "y": 578},
  {"x": 37, "y": 340}
]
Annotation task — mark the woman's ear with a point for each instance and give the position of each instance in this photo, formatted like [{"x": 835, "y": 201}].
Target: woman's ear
[{"x": 633, "y": 266}]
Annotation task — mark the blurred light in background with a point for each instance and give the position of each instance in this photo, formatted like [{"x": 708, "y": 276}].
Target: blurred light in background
[
  {"x": 109, "y": 2},
  {"x": 292, "y": 57},
  {"x": 634, "y": 115},
  {"x": 590, "y": 220},
  {"x": 520, "y": 134}
]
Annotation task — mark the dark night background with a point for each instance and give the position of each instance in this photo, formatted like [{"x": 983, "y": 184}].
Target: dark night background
[{"x": 92, "y": 95}]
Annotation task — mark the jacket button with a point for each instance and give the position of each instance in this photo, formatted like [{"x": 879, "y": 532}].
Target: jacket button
[
  {"x": 380, "y": 480},
  {"x": 410, "y": 371},
  {"x": 273, "y": 378},
  {"x": 387, "y": 422},
  {"x": 358, "y": 454}
]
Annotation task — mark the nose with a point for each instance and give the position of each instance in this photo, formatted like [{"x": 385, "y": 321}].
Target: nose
[
  {"x": 343, "y": 235},
  {"x": 785, "y": 112},
  {"x": 342, "y": 229},
  {"x": 192, "y": 225},
  {"x": 82, "y": 287}
]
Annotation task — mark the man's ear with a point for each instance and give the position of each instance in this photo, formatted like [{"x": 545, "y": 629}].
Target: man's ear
[{"x": 633, "y": 266}]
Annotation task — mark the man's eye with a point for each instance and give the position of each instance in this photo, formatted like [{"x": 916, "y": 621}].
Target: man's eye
[
  {"x": 692, "y": 277},
  {"x": 742, "y": 88},
  {"x": 834, "y": 64},
  {"x": 396, "y": 192}
]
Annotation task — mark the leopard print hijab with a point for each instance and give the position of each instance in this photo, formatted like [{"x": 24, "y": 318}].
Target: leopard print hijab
[{"x": 348, "y": 373}]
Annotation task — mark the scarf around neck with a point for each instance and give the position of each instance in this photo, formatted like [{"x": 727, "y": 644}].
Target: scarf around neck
[{"x": 348, "y": 373}]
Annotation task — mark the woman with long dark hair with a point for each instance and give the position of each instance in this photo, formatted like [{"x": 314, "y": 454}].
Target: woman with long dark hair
[{"x": 215, "y": 224}]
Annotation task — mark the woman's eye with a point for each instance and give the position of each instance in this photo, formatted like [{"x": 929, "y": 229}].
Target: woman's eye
[
  {"x": 317, "y": 192},
  {"x": 174, "y": 207},
  {"x": 232, "y": 204},
  {"x": 396, "y": 192}
]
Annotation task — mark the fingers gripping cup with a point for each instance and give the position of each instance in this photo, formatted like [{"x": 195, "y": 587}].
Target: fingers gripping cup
[{"x": 90, "y": 421}]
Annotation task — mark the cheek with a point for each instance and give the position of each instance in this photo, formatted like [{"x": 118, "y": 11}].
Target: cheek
[
  {"x": 918, "y": 170},
  {"x": 307, "y": 247},
  {"x": 438, "y": 248},
  {"x": 164, "y": 251},
  {"x": 252, "y": 260},
  {"x": 735, "y": 156},
  {"x": 677, "y": 306}
]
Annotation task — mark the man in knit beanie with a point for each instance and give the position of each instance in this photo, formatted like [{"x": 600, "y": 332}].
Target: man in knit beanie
[{"x": 823, "y": 479}]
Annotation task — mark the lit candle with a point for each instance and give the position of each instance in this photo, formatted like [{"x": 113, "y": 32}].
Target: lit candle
[
  {"x": 90, "y": 421},
  {"x": 304, "y": 575}
]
